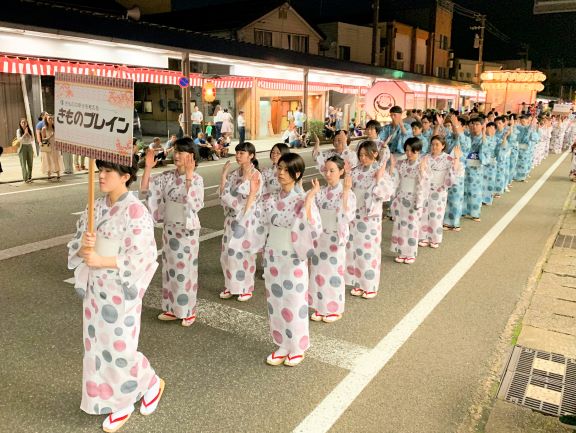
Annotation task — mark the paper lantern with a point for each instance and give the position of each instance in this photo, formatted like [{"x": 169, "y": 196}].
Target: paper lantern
[{"x": 209, "y": 91}]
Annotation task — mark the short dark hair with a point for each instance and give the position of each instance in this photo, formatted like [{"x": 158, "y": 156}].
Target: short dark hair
[
  {"x": 294, "y": 164},
  {"x": 373, "y": 124},
  {"x": 282, "y": 148},
  {"x": 186, "y": 144},
  {"x": 121, "y": 169},
  {"x": 416, "y": 124},
  {"x": 396, "y": 109},
  {"x": 370, "y": 147},
  {"x": 415, "y": 144},
  {"x": 490, "y": 124}
]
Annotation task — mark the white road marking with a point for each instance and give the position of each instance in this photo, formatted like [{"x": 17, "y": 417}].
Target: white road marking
[
  {"x": 34, "y": 247},
  {"x": 63, "y": 185},
  {"x": 323, "y": 417}
]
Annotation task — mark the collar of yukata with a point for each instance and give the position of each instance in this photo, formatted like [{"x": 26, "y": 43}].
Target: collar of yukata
[{"x": 121, "y": 198}]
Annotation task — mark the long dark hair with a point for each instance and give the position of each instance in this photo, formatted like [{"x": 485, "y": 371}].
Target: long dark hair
[
  {"x": 250, "y": 148},
  {"x": 27, "y": 127},
  {"x": 294, "y": 164}
]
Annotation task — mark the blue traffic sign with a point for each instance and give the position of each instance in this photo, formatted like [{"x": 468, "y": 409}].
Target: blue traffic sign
[{"x": 184, "y": 82}]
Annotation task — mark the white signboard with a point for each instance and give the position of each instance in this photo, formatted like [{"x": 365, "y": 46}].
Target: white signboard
[{"x": 93, "y": 116}]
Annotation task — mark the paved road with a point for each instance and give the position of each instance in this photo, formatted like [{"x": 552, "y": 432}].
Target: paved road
[{"x": 386, "y": 367}]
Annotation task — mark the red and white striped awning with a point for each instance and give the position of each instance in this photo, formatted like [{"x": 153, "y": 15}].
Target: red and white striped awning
[{"x": 36, "y": 66}]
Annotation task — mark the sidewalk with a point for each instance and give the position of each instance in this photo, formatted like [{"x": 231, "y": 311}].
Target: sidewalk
[
  {"x": 13, "y": 174},
  {"x": 549, "y": 325}
]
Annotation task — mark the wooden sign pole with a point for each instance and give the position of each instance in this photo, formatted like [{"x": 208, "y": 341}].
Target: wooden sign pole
[{"x": 91, "y": 170}]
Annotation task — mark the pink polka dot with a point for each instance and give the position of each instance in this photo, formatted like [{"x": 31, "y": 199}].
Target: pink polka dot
[
  {"x": 280, "y": 205},
  {"x": 119, "y": 345},
  {"x": 245, "y": 264},
  {"x": 145, "y": 362},
  {"x": 87, "y": 313},
  {"x": 304, "y": 342},
  {"x": 367, "y": 245},
  {"x": 294, "y": 236},
  {"x": 87, "y": 345},
  {"x": 135, "y": 210},
  {"x": 287, "y": 314},
  {"x": 333, "y": 248},
  {"x": 137, "y": 231},
  {"x": 105, "y": 391},
  {"x": 91, "y": 389},
  {"x": 332, "y": 306},
  {"x": 117, "y": 300},
  {"x": 180, "y": 265},
  {"x": 113, "y": 210},
  {"x": 134, "y": 371},
  {"x": 127, "y": 242},
  {"x": 277, "y": 337},
  {"x": 298, "y": 273},
  {"x": 273, "y": 271},
  {"x": 319, "y": 280},
  {"x": 246, "y": 244}
]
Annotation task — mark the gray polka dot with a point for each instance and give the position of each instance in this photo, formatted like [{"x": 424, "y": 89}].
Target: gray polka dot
[
  {"x": 174, "y": 244},
  {"x": 182, "y": 299},
  {"x": 288, "y": 285},
  {"x": 335, "y": 281},
  {"x": 276, "y": 290},
  {"x": 128, "y": 386},
  {"x": 121, "y": 363},
  {"x": 91, "y": 331},
  {"x": 299, "y": 287},
  {"x": 180, "y": 278},
  {"x": 288, "y": 333},
  {"x": 240, "y": 275},
  {"x": 109, "y": 313},
  {"x": 106, "y": 355},
  {"x": 303, "y": 312},
  {"x": 118, "y": 331},
  {"x": 369, "y": 274},
  {"x": 129, "y": 321},
  {"x": 270, "y": 308}
]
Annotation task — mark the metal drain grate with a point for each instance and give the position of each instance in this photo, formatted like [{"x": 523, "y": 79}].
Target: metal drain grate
[
  {"x": 542, "y": 381},
  {"x": 565, "y": 241}
]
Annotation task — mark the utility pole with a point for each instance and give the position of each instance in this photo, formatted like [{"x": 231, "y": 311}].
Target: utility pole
[
  {"x": 376, "y": 18},
  {"x": 479, "y": 43}
]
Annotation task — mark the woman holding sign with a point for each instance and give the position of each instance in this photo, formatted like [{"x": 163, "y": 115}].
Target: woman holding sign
[
  {"x": 174, "y": 198},
  {"x": 113, "y": 268}
]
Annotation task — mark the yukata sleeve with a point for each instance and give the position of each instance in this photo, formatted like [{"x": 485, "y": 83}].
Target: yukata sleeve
[
  {"x": 227, "y": 200},
  {"x": 423, "y": 187},
  {"x": 352, "y": 158},
  {"x": 304, "y": 232},
  {"x": 382, "y": 190},
  {"x": 155, "y": 198},
  {"x": 136, "y": 259},
  {"x": 384, "y": 153},
  {"x": 320, "y": 161},
  {"x": 75, "y": 261},
  {"x": 345, "y": 218},
  {"x": 194, "y": 202},
  {"x": 452, "y": 174},
  {"x": 250, "y": 231}
]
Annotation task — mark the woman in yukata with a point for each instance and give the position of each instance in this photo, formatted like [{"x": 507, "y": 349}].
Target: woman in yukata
[
  {"x": 238, "y": 262},
  {"x": 412, "y": 184},
  {"x": 445, "y": 170},
  {"x": 269, "y": 174},
  {"x": 337, "y": 205},
  {"x": 113, "y": 268},
  {"x": 341, "y": 149},
  {"x": 372, "y": 186},
  {"x": 289, "y": 228},
  {"x": 174, "y": 198}
]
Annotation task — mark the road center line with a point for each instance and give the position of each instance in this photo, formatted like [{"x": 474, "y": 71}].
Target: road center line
[{"x": 323, "y": 417}]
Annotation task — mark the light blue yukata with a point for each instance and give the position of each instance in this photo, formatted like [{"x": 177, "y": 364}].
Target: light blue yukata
[
  {"x": 456, "y": 192},
  {"x": 527, "y": 139},
  {"x": 489, "y": 170},
  {"x": 513, "y": 143},
  {"x": 396, "y": 143},
  {"x": 473, "y": 181},
  {"x": 502, "y": 161}
]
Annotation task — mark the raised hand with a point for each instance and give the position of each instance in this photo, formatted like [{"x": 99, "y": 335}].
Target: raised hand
[
  {"x": 314, "y": 190},
  {"x": 254, "y": 183},
  {"x": 392, "y": 164},
  {"x": 457, "y": 151},
  {"x": 150, "y": 162},
  {"x": 424, "y": 164},
  {"x": 380, "y": 172},
  {"x": 189, "y": 165},
  {"x": 226, "y": 169},
  {"x": 347, "y": 182}
]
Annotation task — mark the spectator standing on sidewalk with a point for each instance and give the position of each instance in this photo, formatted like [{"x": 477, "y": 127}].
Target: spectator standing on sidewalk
[
  {"x": 227, "y": 123},
  {"x": 26, "y": 151},
  {"x": 218, "y": 120},
  {"x": 38, "y": 129},
  {"x": 241, "y": 122},
  {"x": 51, "y": 158},
  {"x": 197, "y": 119}
]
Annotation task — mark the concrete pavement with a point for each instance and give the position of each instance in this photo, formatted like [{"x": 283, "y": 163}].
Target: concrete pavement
[{"x": 545, "y": 320}]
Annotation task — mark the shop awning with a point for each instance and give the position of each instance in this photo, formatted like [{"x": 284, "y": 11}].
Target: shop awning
[{"x": 298, "y": 86}]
